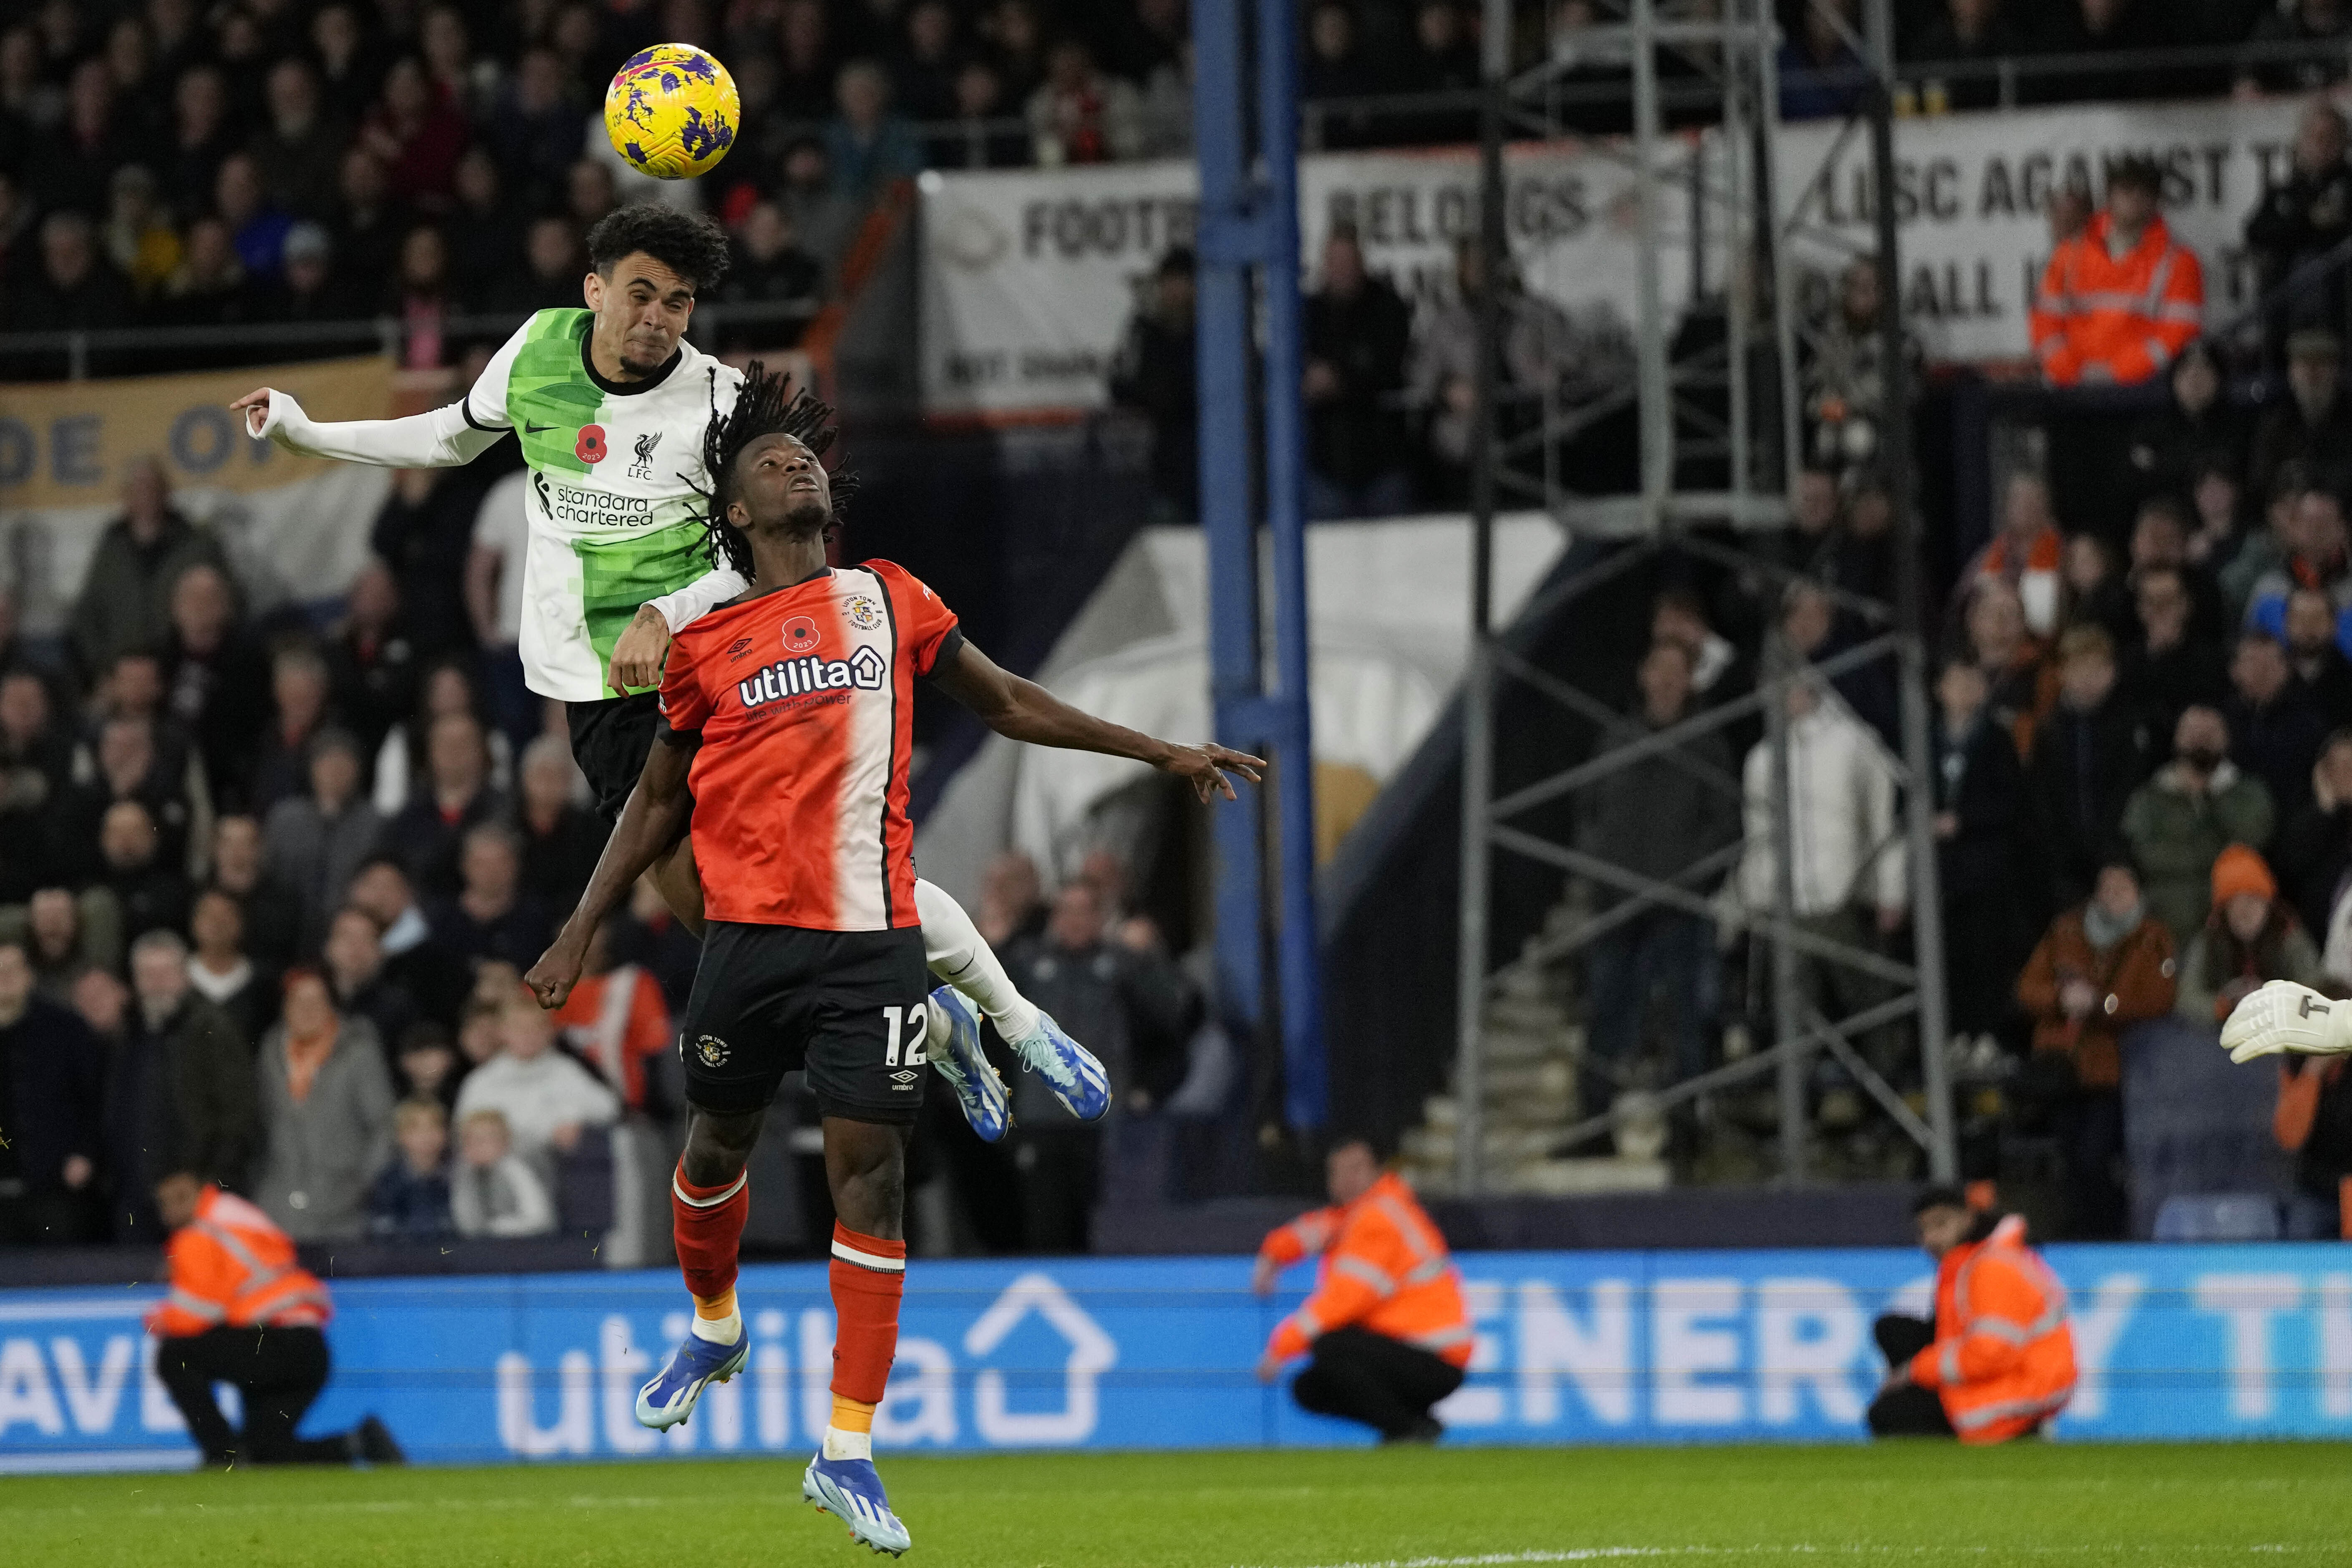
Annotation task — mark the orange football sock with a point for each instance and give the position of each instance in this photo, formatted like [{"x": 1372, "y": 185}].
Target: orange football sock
[{"x": 868, "y": 1276}]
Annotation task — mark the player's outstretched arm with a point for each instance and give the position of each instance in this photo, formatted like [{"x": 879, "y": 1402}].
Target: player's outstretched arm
[
  {"x": 436, "y": 439},
  {"x": 655, "y": 814},
  {"x": 2284, "y": 1017},
  {"x": 1024, "y": 710},
  {"x": 645, "y": 642}
]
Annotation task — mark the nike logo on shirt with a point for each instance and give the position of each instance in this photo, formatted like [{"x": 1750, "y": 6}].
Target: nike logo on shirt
[{"x": 531, "y": 429}]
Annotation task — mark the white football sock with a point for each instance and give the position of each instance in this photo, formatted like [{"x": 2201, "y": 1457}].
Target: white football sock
[
  {"x": 960, "y": 956},
  {"x": 726, "y": 1330},
  {"x": 840, "y": 1445}
]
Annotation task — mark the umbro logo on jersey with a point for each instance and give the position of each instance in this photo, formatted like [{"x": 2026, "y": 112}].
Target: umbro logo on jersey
[
  {"x": 904, "y": 1077},
  {"x": 864, "y": 670},
  {"x": 737, "y": 648}
]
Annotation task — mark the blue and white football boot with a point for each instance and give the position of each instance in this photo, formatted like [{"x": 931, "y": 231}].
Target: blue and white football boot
[
  {"x": 696, "y": 1364},
  {"x": 1069, "y": 1069},
  {"x": 965, "y": 1066},
  {"x": 851, "y": 1491}
]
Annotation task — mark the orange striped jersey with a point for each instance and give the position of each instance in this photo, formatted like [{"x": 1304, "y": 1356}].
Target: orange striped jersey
[
  {"x": 805, "y": 700},
  {"x": 232, "y": 1267},
  {"x": 1384, "y": 1269}
]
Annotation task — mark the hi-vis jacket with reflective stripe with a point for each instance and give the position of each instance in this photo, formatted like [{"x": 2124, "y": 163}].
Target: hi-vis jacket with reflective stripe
[
  {"x": 232, "y": 1266},
  {"x": 1384, "y": 1268},
  {"x": 2003, "y": 1360},
  {"x": 2128, "y": 315}
]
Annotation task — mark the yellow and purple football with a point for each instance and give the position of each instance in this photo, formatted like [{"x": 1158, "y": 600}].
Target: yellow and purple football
[{"x": 672, "y": 111}]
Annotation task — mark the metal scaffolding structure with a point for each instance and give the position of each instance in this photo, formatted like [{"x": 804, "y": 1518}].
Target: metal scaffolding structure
[{"x": 1701, "y": 415}]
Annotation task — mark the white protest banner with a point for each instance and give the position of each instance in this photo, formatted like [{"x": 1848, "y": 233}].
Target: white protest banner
[
  {"x": 1030, "y": 277},
  {"x": 1972, "y": 197}
]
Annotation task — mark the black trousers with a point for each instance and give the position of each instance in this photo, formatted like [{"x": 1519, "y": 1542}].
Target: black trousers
[
  {"x": 279, "y": 1371},
  {"x": 1910, "y": 1411},
  {"x": 1387, "y": 1384}
]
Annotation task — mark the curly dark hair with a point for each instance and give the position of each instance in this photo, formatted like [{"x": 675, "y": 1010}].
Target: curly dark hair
[
  {"x": 689, "y": 244},
  {"x": 766, "y": 405}
]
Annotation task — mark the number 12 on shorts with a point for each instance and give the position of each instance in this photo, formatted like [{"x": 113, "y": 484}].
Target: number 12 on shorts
[{"x": 897, "y": 1019}]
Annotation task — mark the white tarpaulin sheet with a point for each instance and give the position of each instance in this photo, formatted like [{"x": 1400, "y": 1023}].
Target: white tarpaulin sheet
[
  {"x": 1388, "y": 608},
  {"x": 1030, "y": 277}
]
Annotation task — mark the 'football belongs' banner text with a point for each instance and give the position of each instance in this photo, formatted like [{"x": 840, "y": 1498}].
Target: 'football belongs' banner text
[{"x": 1030, "y": 276}]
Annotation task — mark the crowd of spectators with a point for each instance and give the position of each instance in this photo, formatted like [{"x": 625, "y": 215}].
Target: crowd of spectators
[
  {"x": 2143, "y": 808},
  {"x": 267, "y": 889},
  {"x": 163, "y": 162}
]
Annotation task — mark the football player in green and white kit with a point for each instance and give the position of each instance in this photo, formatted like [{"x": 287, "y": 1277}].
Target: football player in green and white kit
[{"x": 611, "y": 405}]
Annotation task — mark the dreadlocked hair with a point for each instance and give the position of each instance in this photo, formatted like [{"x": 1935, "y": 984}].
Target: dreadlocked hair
[{"x": 766, "y": 405}]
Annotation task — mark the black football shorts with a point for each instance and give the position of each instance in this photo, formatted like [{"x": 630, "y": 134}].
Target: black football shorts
[
  {"x": 847, "y": 1006},
  {"x": 609, "y": 742}
]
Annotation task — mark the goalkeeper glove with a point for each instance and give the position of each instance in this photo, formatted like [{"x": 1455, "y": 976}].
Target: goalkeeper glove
[{"x": 2284, "y": 1017}]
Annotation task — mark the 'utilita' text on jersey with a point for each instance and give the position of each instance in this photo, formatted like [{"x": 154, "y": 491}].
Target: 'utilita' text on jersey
[{"x": 804, "y": 701}]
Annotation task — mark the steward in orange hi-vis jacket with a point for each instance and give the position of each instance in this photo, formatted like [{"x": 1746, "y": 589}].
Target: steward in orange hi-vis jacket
[
  {"x": 242, "y": 1311},
  {"x": 2120, "y": 299},
  {"x": 1998, "y": 1361},
  {"x": 1385, "y": 1326}
]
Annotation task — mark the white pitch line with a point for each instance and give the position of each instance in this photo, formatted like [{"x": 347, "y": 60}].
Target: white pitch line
[{"x": 1600, "y": 1554}]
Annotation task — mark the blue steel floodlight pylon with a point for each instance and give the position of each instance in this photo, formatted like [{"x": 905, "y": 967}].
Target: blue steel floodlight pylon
[
  {"x": 1746, "y": 198},
  {"x": 1245, "y": 136}
]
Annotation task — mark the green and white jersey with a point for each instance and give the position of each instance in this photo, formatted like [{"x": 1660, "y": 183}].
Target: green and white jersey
[{"x": 613, "y": 505}]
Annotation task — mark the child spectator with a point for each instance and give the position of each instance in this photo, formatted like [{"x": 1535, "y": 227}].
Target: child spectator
[
  {"x": 411, "y": 1199},
  {"x": 495, "y": 1191},
  {"x": 429, "y": 1065}
]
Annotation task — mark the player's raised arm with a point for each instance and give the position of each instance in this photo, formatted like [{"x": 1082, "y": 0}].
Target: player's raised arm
[
  {"x": 436, "y": 439},
  {"x": 1024, "y": 710},
  {"x": 654, "y": 817}
]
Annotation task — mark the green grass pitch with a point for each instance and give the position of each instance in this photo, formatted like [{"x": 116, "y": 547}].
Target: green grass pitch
[{"x": 2044, "y": 1505}]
